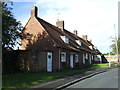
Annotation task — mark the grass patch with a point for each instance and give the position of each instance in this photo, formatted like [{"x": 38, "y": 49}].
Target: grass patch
[
  {"x": 18, "y": 80},
  {"x": 96, "y": 66}
]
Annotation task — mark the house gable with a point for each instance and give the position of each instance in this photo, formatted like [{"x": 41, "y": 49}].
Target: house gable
[{"x": 35, "y": 36}]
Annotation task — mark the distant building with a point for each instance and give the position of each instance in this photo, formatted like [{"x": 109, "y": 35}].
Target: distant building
[{"x": 112, "y": 58}]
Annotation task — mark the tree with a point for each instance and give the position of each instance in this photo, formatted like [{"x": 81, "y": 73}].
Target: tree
[
  {"x": 115, "y": 46},
  {"x": 10, "y": 27}
]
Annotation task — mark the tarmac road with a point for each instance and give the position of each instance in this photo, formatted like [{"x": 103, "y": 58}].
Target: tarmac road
[{"x": 107, "y": 79}]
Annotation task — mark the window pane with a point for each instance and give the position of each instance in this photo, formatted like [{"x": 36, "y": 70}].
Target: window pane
[
  {"x": 76, "y": 58},
  {"x": 65, "y": 39},
  {"x": 63, "y": 57}
]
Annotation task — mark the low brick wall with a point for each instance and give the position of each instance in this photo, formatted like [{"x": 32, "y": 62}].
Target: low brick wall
[
  {"x": 23, "y": 61},
  {"x": 32, "y": 60}
]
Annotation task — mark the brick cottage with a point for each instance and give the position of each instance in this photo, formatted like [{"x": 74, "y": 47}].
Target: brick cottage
[{"x": 62, "y": 49}]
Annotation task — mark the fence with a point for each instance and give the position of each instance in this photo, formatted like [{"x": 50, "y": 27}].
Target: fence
[{"x": 22, "y": 60}]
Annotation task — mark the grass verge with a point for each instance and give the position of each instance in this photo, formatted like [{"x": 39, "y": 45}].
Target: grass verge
[{"x": 19, "y": 80}]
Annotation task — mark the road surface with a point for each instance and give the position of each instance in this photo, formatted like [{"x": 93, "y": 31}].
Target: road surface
[{"x": 107, "y": 79}]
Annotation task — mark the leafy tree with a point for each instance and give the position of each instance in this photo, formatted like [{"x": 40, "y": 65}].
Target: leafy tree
[
  {"x": 10, "y": 27},
  {"x": 113, "y": 46}
]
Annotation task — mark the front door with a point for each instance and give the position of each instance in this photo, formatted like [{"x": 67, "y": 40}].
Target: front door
[
  {"x": 49, "y": 61},
  {"x": 71, "y": 61}
]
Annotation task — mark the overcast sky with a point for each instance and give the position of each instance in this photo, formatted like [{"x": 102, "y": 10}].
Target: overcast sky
[{"x": 95, "y": 18}]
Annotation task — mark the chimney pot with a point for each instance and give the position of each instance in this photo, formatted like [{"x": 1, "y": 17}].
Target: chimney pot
[{"x": 34, "y": 11}]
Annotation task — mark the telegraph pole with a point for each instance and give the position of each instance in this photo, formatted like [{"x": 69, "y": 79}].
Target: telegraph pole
[
  {"x": 116, "y": 43},
  {"x": 109, "y": 60}
]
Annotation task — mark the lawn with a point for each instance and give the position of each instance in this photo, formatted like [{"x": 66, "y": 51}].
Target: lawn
[{"x": 18, "y": 80}]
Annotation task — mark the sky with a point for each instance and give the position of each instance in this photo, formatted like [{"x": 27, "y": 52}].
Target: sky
[{"x": 94, "y": 18}]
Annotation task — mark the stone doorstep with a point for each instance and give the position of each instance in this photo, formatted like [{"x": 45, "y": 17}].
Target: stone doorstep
[{"x": 66, "y": 81}]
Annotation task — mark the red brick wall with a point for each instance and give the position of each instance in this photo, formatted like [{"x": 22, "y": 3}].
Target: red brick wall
[
  {"x": 40, "y": 40},
  {"x": 36, "y": 61},
  {"x": 67, "y": 63},
  {"x": 32, "y": 27},
  {"x": 33, "y": 61}
]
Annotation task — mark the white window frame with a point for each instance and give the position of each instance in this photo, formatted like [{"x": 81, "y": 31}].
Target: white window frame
[
  {"x": 91, "y": 47},
  {"x": 63, "y": 56},
  {"x": 79, "y": 42},
  {"x": 95, "y": 47},
  {"x": 86, "y": 56},
  {"x": 65, "y": 39},
  {"x": 76, "y": 58},
  {"x": 92, "y": 57}
]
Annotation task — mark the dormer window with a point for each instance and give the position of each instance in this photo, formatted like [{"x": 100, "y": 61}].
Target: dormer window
[
  {"x": 91, "y": 47},
  {"x": 65, "y": 39},
  {"x": 79, "y": 42}
]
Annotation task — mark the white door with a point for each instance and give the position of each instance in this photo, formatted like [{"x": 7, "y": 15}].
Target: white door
[
  {"x": 71, "y": 61},
  {"x": 83, "y": 59},
  {"x": 49, "y": 61}
]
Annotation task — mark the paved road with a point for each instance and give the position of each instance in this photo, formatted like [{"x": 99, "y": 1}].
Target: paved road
[{"x": 104, "y": 80}]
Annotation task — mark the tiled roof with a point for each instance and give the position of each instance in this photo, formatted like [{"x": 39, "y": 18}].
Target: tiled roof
[
  {"x": 85, "y": 44},
  {"x": 55, "y": 34}
]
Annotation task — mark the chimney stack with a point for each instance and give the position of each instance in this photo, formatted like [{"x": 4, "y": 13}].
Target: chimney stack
[
  {"x": 75, "y": 32},
  {"x": 60, "y": 24},
  {"x": 84, "y": 37},
  {"x": 34, "y": 11}
]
